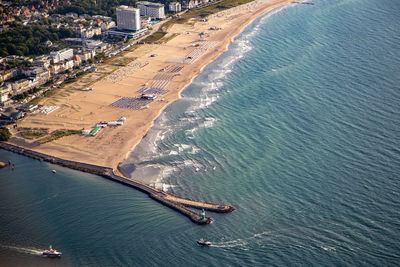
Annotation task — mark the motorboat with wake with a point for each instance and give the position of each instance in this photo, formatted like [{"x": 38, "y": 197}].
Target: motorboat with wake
[
  {"x": 203, "y": 243},
  {"x": 51, "y": 252}
]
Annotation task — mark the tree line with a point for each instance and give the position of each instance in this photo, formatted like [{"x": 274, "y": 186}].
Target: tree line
[
  {"x": 98, "y": 7},
  {"x": 30, "y": 40}
]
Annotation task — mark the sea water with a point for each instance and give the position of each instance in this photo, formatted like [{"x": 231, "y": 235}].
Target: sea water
[{"x": 297, "y": 125}]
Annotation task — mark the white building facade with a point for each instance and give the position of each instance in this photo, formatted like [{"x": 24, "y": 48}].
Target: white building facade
[
  {"x": 5, "y": 90},
  {"x": 128, "y": 18},
  {"x": 175, "y": 7},
  {"x": 189, "y": 4},
  {"x": 89, "y": 33},
  {"x": 62, "y": 55},
  {"x": 153, "y": 10}
]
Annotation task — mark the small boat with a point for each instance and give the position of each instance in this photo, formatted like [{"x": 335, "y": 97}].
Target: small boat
[
  {"x": 54, "y": 171},
  {"x": 203, "y": 243},
  {"x": 51, "y": 253}
]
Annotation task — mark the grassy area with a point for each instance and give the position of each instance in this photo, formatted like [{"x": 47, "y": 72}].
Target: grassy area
[
  {"x": 215, "y": 8},
  {"x": 51, "y": 93},
  {"x": 34, "y": 134},
  {"x": 70, "y": 81},
  {"x": 169, "y": 38},
  {"x": 57, "y": 134},
  {"x": 122, "y": 61},
  {"x": 81, "y": 74},
  {"x": 205, "y": 11},
  {"x": 132, "y": 48},
  {"x": 36, "y": 100},
  {"x": 155, "y": 37}
]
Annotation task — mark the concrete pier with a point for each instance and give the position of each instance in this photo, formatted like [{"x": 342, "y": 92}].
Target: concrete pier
[{"x": 182, "y": 205}]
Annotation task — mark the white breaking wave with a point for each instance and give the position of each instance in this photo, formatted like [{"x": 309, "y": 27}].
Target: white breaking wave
[
  {"x": 275, "y": 11},
  {"x": 162, "y": 186},
  {"x": 159, "y": 136},
  {"x": 206, "y": 102},
  {"x": 217, "y": 74},
  {"x": 210, "y": 87},
  {"x": 194, "y": 120},
  {"x": 207, "y": 123},
  {"x": 190, "y": 133},
  {"x": 186, "y": 148},
  {"x": 200, "y": 103},
  {"x": 195, "y": 150},
  {"x": 328, "y": 248}
]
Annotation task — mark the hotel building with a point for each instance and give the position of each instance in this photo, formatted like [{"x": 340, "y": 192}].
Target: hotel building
[
  {"x": 152, "y": 10},
  {"x": 128, "y": 18}
]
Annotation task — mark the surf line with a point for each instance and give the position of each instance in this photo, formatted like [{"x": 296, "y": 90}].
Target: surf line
[{"x": 177, "y": 203}]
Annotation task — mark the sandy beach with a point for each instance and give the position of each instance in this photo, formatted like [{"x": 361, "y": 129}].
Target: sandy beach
[{"x": 172, "y": 67}]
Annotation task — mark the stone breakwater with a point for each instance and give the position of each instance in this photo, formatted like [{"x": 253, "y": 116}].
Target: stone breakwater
[{"x": 179, "y": 204}]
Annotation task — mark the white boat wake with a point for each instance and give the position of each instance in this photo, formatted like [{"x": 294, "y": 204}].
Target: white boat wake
[
  {"x": 32, "y": 251},
  {"x": 229, "y": 244}
]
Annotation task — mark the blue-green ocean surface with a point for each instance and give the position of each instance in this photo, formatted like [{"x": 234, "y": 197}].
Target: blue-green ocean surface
[{"x": 297, "y": 125}]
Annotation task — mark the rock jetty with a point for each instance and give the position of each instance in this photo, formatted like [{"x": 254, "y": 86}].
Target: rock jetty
[{"x": 183, "y": 205}]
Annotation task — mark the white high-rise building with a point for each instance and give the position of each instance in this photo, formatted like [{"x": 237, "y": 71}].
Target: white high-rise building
[
  {"x": 175, "y": 7},
  {"x": 128, "y": 18},
  {"x": 152, "y": 10}
]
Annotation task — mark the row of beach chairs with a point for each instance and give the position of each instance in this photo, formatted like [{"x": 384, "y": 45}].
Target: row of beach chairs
[{"x": 131, "y": 103}]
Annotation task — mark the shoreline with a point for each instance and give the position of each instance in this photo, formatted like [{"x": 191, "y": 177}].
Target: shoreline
[
  {"x": 112, "y": 146},
  {"x": 260, "y": 13},
  {"x": 107, "y": 150}
]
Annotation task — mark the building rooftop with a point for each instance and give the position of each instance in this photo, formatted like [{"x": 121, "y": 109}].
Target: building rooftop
[
  {"x": 149, "y": 4},
  {"x": 126, "y": 8}
]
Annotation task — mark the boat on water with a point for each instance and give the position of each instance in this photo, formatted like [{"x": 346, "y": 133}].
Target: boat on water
[
  {"x": 51, "y": 252},
  {"x": 203, "y": 243}
]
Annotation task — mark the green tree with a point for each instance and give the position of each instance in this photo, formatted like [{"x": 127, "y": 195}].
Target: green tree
[
  {"x": 28, "y": 41},
  {"x": 4, "y": 134}
]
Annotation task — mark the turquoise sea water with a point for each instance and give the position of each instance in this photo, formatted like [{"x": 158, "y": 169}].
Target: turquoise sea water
[{"x": 297, "y": 126}]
